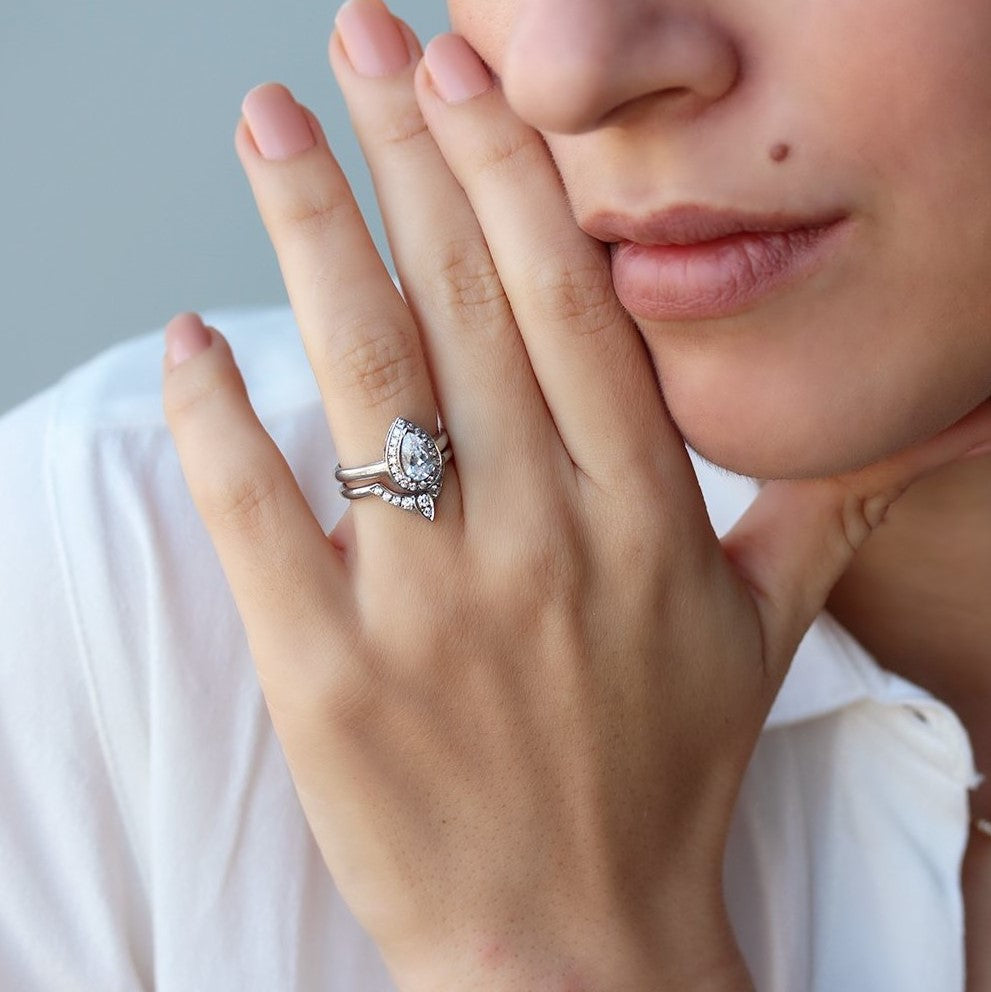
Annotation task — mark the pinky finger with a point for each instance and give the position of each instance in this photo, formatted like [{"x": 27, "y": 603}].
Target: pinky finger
[{"x": 284, "y": 574}]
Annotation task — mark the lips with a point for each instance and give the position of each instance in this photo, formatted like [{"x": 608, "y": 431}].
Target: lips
[
  {"x": 689, "y": 224},
  {"x": 691, "y": 263}
]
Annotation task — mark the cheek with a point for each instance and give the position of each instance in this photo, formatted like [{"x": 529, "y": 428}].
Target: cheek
[
  {"x": 887, "y": 104},
  {"x": 869, "y": 356},
  {"x": 903, "y": 88},
  {"x": 893, "y": 343},
  {"x": 841, "y": 393},
  {"x": 485, "y": 24}
]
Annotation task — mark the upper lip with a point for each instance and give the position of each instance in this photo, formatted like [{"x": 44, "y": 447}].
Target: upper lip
[{"x": 691, "y": 224}]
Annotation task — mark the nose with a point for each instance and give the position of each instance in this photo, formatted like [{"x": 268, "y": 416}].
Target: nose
[{"x": 570, "y": 66}]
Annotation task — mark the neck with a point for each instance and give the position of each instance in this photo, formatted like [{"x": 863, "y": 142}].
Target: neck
[{"x": 918, "y": 596}]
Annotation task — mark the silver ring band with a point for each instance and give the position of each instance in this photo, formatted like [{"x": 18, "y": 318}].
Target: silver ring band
[
  {"x": 377, "y": 470},
  {"x": 414, "y": 465}
]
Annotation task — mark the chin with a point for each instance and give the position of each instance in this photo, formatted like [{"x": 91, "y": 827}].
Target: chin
[
  {"x": 768, "y": 458},
  {"x": 788, "y": 440},
  {"x": 779, "y": 396}
]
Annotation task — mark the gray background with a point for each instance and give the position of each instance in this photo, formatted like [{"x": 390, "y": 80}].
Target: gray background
[{"x": 123, "y": 201}]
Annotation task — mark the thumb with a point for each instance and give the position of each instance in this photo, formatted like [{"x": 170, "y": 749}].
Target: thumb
[{"x": 799, "y": 536}]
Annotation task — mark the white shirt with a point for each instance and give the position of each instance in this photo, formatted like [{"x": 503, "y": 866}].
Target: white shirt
[{"x": 150, "y": 837}]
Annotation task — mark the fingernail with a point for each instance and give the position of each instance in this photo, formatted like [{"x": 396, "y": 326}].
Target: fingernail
[
  {"x": 984, "y": 448},
  {"x": 458, "y": 74},
  {"x": 277, "y": 122},
  {"x": 185, "y": 336},
  {"x": 371, "y": 37}
]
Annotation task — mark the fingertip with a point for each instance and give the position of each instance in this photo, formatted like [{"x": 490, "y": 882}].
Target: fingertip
[
  {"x": 277, "y": 122},
  {"x": 185, "y": 337},
  {"x": 315, "y": 126},
  {"x": 337, "y": 52},
  {"x": 456, "y": 71},
  {"x": 184, "y": 317},
  {"x": 410, "y": 37},
  {"x": 982, "y": 449},
  {"x": 244, "y": 141},
  {"x": 262, "y": 94},
  {"x": 421, "y": 79}
]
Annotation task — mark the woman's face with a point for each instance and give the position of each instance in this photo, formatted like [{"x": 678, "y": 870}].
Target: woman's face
[{"x": 876, "y": 109}]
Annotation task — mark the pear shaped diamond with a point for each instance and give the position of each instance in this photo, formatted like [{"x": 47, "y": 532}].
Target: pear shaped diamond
[
  {"x": 414, "y": 460},
  {"x": 418, "y": 456},
  {"x": 425, "y": 504}
]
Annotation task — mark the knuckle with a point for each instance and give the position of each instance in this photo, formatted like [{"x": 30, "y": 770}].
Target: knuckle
[
  {"x": 315, "y": 210},
  {"x": 407, "y": 127},
  {"x": 181, "y": 401},
  {"x": 548, "y": 567},
  {"x": 378, "y": 365},
  {"x": 634, "y": 535},
  {"x": 580, "y": 295},
  {"x": 515, "y": 153},
  {"x": 245, "y": 504},
  {"x": 194, "y": 388},
  {"x": 859, "y": 514},
  {"x": 469, "y": 285}
]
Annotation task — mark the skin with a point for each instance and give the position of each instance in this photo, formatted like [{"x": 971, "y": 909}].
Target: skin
[
  {"x": 889, "y": 344},
  {"x": 892, "y": 342},
  {"x": 465, "y": 782}
]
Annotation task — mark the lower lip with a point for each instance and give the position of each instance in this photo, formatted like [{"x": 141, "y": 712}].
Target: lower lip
[{"x": 716, "y": 278}]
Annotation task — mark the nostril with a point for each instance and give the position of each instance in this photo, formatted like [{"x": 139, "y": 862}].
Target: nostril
[{"x": 571, "y": 66}]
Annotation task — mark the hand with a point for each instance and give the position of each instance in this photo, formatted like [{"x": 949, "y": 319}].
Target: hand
[{"x": 517, "y": 732}]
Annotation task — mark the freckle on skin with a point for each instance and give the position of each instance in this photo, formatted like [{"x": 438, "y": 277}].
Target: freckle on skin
[
  {"x": 492, "y": 954},
  {"x": 780, "y": 152}
]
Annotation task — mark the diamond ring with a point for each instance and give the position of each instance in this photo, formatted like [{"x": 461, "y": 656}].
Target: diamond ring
[{"x": 414, "y": 464}]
